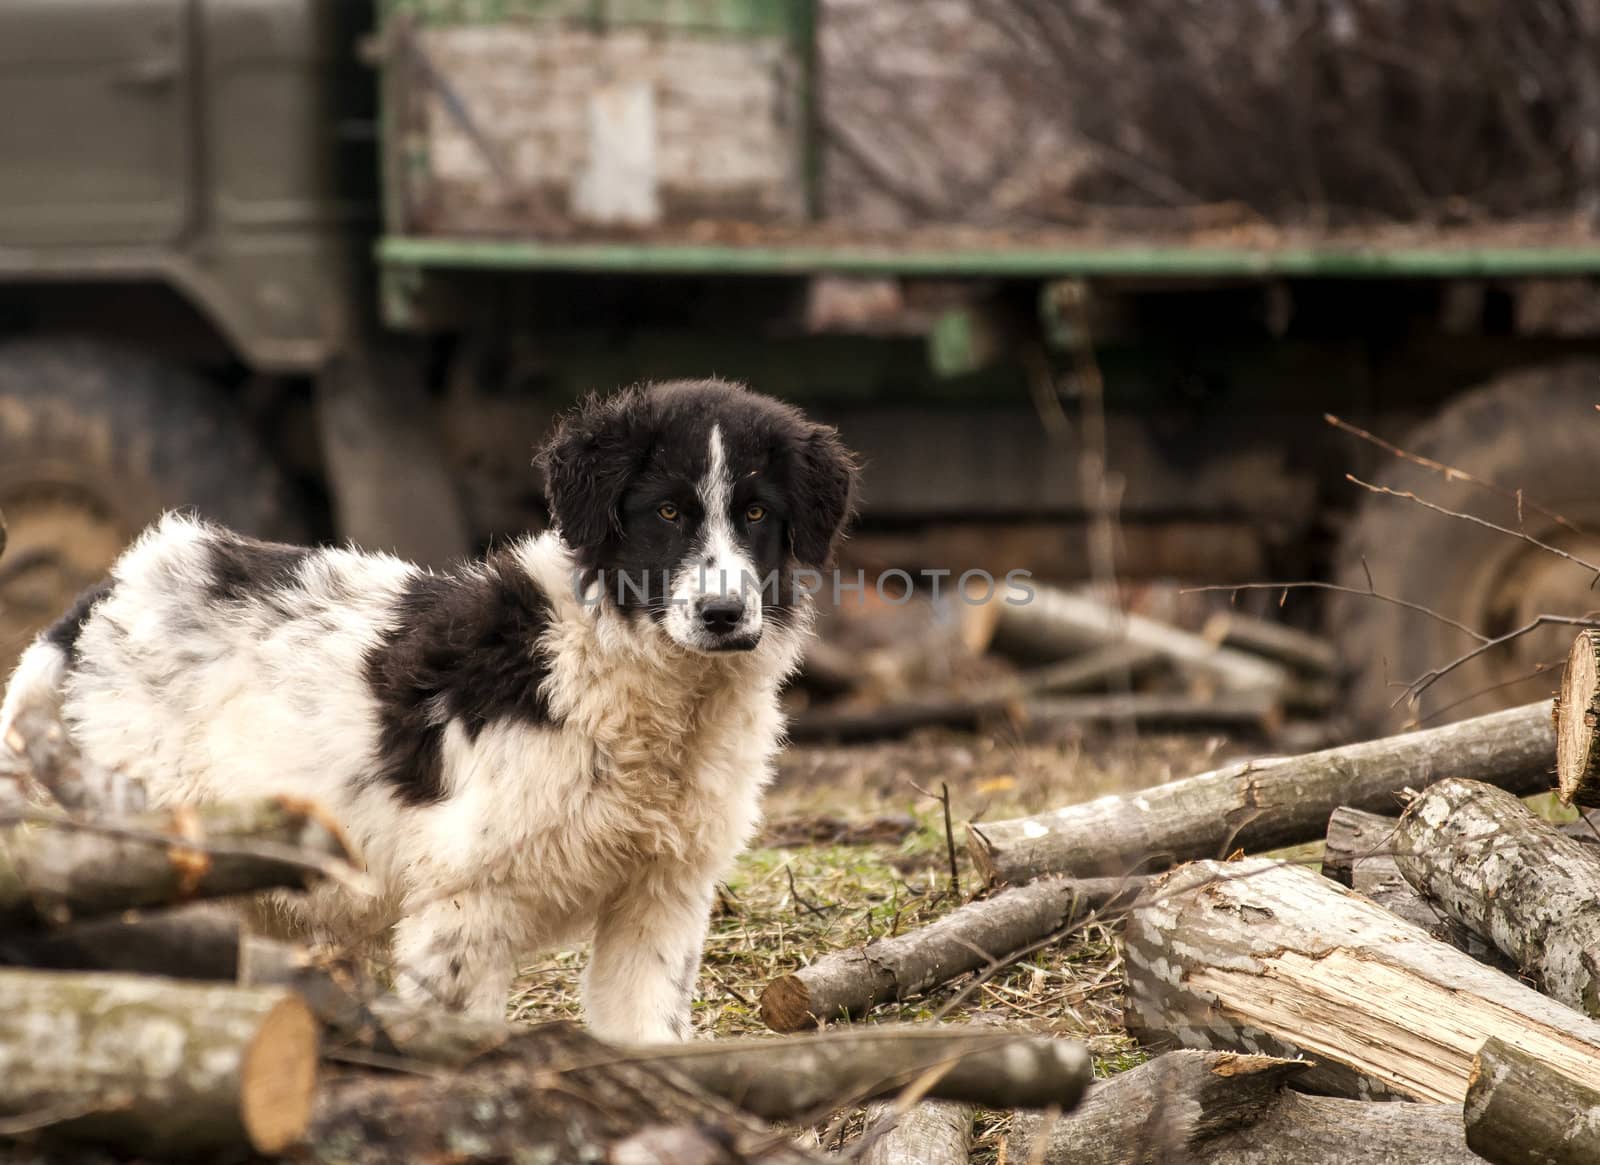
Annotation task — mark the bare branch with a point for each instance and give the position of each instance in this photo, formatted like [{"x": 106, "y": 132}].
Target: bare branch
[
  {"x": 1371, "y": 592},
  {"x": 1453, "y": 473},
  {"x": 1520, "y": 535}
]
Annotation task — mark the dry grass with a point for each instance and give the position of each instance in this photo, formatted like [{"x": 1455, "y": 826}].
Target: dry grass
[{"x": 783, "y": 908}]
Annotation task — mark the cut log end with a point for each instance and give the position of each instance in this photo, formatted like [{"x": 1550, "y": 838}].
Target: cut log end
[
  {"x": 786, "y": 1005},
  {"x": 1577, "y": 712},
  {"x": 278, "y": 1078}
]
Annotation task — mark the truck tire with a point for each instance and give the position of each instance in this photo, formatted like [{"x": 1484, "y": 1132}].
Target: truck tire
[
  {"x": 1535, "y": 430},
  {"x": 95, "y": 443}
]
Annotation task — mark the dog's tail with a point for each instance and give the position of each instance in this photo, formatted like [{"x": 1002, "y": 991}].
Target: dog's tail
[{"x": 36, "y": 686}]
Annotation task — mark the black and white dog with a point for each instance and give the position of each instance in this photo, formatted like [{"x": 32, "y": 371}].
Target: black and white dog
[{"x": 567, "y": 739}]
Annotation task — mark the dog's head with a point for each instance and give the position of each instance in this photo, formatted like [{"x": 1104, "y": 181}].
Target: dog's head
[{"x": 699, "y": 505}]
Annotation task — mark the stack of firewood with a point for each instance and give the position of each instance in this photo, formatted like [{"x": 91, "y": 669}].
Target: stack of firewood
[
  {"x": 139, "y": 1021},
  {"x": 1448, "y": 956},
  {"x": 1063, "y": 658}
]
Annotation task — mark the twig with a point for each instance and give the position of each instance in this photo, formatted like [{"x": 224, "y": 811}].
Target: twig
[
  {"x": 1477, "y": 521},
  {"x": 800, "y": 902},
  {"x": 1425, "y": 681},
  {"x": 943, "y": 797},
  {"x": 1370, "y": 592},
  {"x": 1452, "y": 473}
]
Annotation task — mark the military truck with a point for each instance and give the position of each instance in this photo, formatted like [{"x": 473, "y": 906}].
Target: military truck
[{"x": 326, "y": 270}]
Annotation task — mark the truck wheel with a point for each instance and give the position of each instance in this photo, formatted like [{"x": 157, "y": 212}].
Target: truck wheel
[
  {"x": 1536, "y": 431},
  {"x": 95, "y": 443}
]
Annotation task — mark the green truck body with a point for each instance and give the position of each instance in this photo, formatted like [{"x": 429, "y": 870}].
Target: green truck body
[{"x": 435, "y": 222}]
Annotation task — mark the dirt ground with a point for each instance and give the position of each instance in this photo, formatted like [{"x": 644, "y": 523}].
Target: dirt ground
[{"x": 802, "y": 891}]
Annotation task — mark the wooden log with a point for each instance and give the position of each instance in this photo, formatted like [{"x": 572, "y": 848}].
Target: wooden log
[
  {"x": 155, "y": 1066},
  {"x": 935, "y": 1132},
  {"x": 1250, "y": 711},
  {"x": 850, "y": 982},
  {"x": 1217, "y": 1108},
  {"x": 1359, "y": 853},
  {"x": 192, "y": 942},
  {"x": 1520, "y": 1111},
  {"x": 1578, "y": 723},
  {"x": 1268, "y": 957},
  {"x": 1300, "y": 650},
  {"x": 560, "y": 1096},
  {"x": 1263, "y": 804},
  {"x": 1055, "y": 624},
  {"x": 39, "y": 754},
  {"x": 792, "y": 1078},
  {"x": 55, "y": 869},
  {"x": 804, "y": 1077},
  {"x": 1519, "y": 882}
]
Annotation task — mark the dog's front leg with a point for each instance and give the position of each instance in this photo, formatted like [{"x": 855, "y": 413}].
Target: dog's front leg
[
  {"x": 640, "y": 981},
  {"x": 459, "y": 952}
]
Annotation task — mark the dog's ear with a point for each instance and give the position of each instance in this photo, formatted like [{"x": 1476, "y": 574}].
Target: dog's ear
[
  {"x": 587, "y": 465},
  {"x": 823, "y": 484}
]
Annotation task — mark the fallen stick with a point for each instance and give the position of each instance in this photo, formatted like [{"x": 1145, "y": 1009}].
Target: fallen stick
[
  {"x": 1296, "y": 649},
  {"x": 155, "y": 1066},
  {"x": 1218, "y": 1108},
  {"x": 1519, "y": 882},
  {"x": 1055, "y": 624},
  {"x": 1359, "y": 853},
  {"x": 1578, "y": 723},
  {"x": 976, "y": 935},
  {"x": 1267, "y": 957},
  {"x": 1520, "y": 1111},
  {"x": 192, "y": 942},
  {"x": 54, "y": 869},
  {"x": 1263, "y": 804},
  {"x": 1256, "y": 711},
  {"x": 800, "y": 1077},
  {"x": 558, "y": 1095},
  {"x": 935, "y": 1132},
  {"x": 790, "y": 1078}
]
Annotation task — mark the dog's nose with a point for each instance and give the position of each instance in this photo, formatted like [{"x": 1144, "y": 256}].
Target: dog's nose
[{"x": 722, "y": 615}]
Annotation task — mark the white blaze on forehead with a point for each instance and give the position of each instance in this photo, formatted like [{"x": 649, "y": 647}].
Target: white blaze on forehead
[
  {"x": 727, "y": 569},
  {"x": 717, "y": 565}
]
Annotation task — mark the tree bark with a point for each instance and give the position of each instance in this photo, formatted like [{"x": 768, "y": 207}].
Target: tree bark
[
  {"x": 154, "y": 1066},
  {"x": 778, "y": 1079},
  {"x": 56, "y": 869},
  {"x": 1519, "y": 882},
  {"x": 560, "y": 1096},
  {"x": 1217, "y": 1108},
  {"x": 800, "y": 1077},
  {"x": 1268, "y": 957},
  {"x": 41, "y": 756},
  {"x": 1303, "y": 652},
  {"x": 1578, "y": 723},
  {"x": 1359, "y": 853},
  {"x": 850, "y": 982},
  {"x": 1520, "y": 1111},
  {"x": 1263, "y": 804},
  {"x": 193, "y": 942},
  {"x": 935, "y": 1132}
]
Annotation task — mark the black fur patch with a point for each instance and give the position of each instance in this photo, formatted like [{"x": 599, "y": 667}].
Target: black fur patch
[
  {"x": 64, "y": 632},
  {"x": 464, "y": 647},
  {"x": 242, "y": 568}
]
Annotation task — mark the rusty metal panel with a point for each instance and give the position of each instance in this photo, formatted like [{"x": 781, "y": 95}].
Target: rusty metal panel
[{"x": 622, "y": 118}]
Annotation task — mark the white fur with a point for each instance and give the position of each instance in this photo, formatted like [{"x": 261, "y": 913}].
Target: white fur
[
  {"x": 615, "y": 822},
  {"x": 718, "y": 568}
]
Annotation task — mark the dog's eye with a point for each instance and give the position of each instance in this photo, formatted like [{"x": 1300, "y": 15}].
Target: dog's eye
[
  {"x": 668, "y": 512},
  {"x": 755, "y": 513}
]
